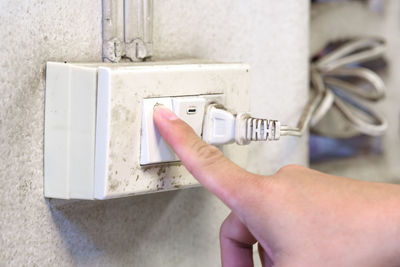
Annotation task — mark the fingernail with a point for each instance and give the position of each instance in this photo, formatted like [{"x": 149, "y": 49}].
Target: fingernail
[{"x": 164, "y": 112}]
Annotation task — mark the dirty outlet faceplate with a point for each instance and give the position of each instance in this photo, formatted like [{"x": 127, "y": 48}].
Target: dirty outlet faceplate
[{"x": 93, "y": 119}]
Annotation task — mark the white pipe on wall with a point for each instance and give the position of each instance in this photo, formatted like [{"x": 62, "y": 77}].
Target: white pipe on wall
[{"x": 127, "y": 30}]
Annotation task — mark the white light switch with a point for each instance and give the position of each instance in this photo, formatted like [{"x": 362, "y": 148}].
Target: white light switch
[
  {"x": 190, "y": 109},
  {"x": 153, "y": 148}
]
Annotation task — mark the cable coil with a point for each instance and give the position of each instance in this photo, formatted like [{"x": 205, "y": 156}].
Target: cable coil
[{"x": 327, "y": 74}]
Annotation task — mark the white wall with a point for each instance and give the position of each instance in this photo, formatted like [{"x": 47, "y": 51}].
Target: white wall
[{"x": 166, "y": 229}]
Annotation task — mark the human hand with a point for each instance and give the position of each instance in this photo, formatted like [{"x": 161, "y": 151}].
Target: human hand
[{"x": 298, "y": 216}]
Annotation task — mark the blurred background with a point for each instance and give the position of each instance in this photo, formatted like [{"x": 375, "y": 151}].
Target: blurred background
[{"x": 371, "y": 158}]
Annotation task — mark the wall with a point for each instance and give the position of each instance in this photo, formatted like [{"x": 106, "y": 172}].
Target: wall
[
  {"x": 166, "y": 229},
  {"x": 333, "y": 21}
]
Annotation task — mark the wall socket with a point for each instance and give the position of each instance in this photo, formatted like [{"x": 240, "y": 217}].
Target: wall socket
[
  {"x": 191, "y": 109},
  {"x": 93, "y": 123}
]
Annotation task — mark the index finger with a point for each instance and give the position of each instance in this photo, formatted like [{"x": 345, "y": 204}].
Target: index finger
[{"x": 232, "y": 184}]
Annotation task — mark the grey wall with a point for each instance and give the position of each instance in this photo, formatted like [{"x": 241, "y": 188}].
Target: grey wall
[{"x": 167, "y": 229}]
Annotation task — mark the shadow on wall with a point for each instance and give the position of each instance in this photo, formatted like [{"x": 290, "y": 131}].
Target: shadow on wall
[{"x": 126, "y": 228}]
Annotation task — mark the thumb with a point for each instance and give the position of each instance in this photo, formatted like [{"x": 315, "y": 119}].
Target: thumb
[{"x": 232, "y": 184}]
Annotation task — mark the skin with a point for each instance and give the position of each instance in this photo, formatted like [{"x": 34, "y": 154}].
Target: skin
[{"x": 298, "y": 216}]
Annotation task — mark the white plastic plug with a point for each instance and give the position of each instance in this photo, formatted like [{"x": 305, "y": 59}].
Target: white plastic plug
[
  {"x": 222, "y": 127},
  {"x": 219, "y": 126}
]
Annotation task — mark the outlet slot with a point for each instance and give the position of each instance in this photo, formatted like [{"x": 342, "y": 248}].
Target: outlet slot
[{"x": 191, "y": 110}]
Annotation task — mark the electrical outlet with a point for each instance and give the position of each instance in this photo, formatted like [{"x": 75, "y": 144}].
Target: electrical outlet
[
  {"x": 93, "y": 123},
  {"x": 190, "y": 109}
]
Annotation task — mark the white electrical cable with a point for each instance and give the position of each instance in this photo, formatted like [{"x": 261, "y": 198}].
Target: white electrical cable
[
  {"x": 221, "y": 126},
  {"x": 324, "y": 77}
]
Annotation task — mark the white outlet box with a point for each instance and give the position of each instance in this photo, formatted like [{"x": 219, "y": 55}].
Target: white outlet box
[{"x": 93, "y": 121}]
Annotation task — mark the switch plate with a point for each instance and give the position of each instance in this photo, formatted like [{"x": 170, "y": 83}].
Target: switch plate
[
  {"x": 93, "y": 122},
  {"x": 154, "y": 149}
]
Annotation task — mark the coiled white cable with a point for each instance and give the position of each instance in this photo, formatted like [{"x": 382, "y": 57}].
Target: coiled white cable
[
  {"x": 222, "y": 127},
  {"x": 324, "y": 75}
]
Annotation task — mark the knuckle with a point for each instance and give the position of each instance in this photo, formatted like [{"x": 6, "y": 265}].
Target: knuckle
[
  {"x": 289, "y": 169},
  {"x": 222, "y": 229},
  {"x": 205, "y": 156},
  {"x": 225, "y": 226},
  {"x": 207, "y": 153}
]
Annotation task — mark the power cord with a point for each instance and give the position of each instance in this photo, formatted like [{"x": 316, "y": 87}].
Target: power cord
[
  {"x": 334, "y": 78},
  {"x": 330, "y": 72}
]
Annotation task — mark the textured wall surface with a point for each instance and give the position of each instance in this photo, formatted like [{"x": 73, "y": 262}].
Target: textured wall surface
[
  {"x": 167, "y": 229},
  {"x": 333, "y": 21}
]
